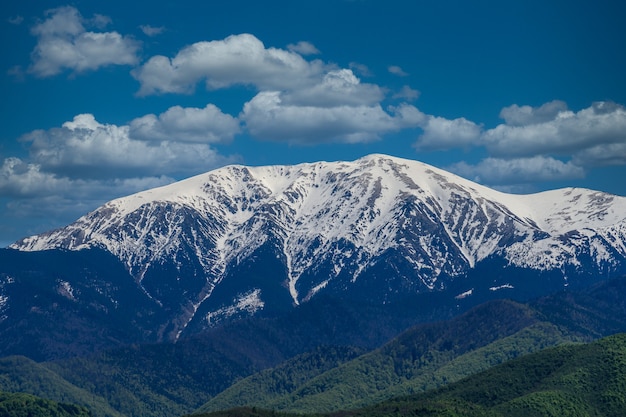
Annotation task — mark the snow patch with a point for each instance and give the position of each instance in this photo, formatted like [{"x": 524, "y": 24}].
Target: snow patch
[
  {"x": 250, "y": 302},
  {"x": 501, "y": 287},
  {"x": 65, "y": 289},
  {"x": 316, "y": 289},
  {"x": 464, "y": 294}
]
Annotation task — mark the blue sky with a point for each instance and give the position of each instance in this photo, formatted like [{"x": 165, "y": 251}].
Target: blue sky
[{"x": 103, "y": 99}]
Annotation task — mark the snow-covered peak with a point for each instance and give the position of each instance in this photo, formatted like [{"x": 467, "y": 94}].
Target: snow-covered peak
[
  {"x": 375, "y": 183},
  {"x": 328, "y": 224}
]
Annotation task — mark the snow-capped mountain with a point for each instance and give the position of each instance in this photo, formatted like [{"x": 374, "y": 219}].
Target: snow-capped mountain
[{"x": 239, "y": 239}]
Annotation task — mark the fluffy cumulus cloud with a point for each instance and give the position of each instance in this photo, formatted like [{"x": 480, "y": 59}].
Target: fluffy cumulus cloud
[
  {"x": 76, "y": 167},
  {"x": 337, "y": 87},
  {"x": 20, "y": 179},
  {"x": 298, "y": 101},
  {"x": 496, "y": 171},
  {"x": 268, "y": 117},
  {"x": 526, "y": 115},
  {"x": 442, "y": 133},
  {"x": 602, "y": 155},
  {"x": 553, "y": 129},
  {"x": 85, "y": 148},
  {"x": 549, "y": 129},
  {"x": 63, "y": 43},
  {"x": 207, "y": 125},
  {"x": 338, "y": 108},
  {"x": 238, "y": 59},
  {"x": 549, "y": 142}
]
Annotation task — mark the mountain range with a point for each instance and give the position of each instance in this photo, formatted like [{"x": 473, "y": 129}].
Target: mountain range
[
  {"x": 241, "y": 241},
  {"x": 304, "y": 288}
]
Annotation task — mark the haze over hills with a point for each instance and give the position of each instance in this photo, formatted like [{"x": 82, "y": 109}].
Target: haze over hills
[{"x": 240, "y": 241}]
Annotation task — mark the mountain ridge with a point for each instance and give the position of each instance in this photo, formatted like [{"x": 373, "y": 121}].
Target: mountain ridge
[{"x": 241, "y": 240}]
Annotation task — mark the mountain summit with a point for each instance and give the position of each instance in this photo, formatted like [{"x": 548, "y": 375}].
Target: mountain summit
[{"x": 239, "y": 240}]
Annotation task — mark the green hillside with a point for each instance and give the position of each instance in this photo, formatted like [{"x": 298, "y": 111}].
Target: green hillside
[
  {"x": 572, "y": 380},
  {"x": 22, "y": 375},
  {"x": 422, "y": 358},
  {"x": 432, "y": 355},
  {"x": 290, "y": 371},
  {"x": 26, "y": 405},
  {"x": 264, "y": 387},
  {"x": 568, "y": 380}
]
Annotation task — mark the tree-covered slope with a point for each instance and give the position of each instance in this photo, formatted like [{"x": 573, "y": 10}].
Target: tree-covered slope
[
  {"x": 570, "y": 380},
  {"x": 19, "y": 374},
  {"x": 265, "y": 387},
  {"x": 165, "y": 380},
  {"x": 431, "y": 355},
  {"x": 423, "y": 357},
  {"x": 26, "y": 405},
  {"x": 168, "y": 380}
]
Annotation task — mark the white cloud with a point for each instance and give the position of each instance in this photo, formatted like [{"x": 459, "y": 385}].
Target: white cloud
[
  {"x": 442, "y": 133},
  {"x": 152, "y": 30},
  {"x": 267, "y": 117},
  {"x": 526, "y": 115},
  {"x": 236, "y": 60},
  {"x": 552, "y": 129},
  {"x": 84, "y": 163},
  {"x": 64, "y": 43},
  {"x": 495, "y": 171},
  {"x": 61, "y": 21},
  {"x": 298, "y": 101},
  {"x": 593, "y": 136},
  {"x": 338, "y": 87},
  {"x": 36, "y": 201},
  {"x": 85, "y": 148},
  {"x": 303, "y": 48},
  {"x": 407, "y": 93},
  {"x": 20, "y": 179},
  {"x": 396, "y": 70},
  {"x": 602, "y": 155},
  {"x": 207, "y": 125}
]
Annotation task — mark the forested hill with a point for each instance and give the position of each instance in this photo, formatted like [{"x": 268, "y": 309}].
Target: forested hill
[
  {"x": 568, "y": 380},
  {"x": 25, "y": 405},
  {"x": 170, "y": 380}
]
